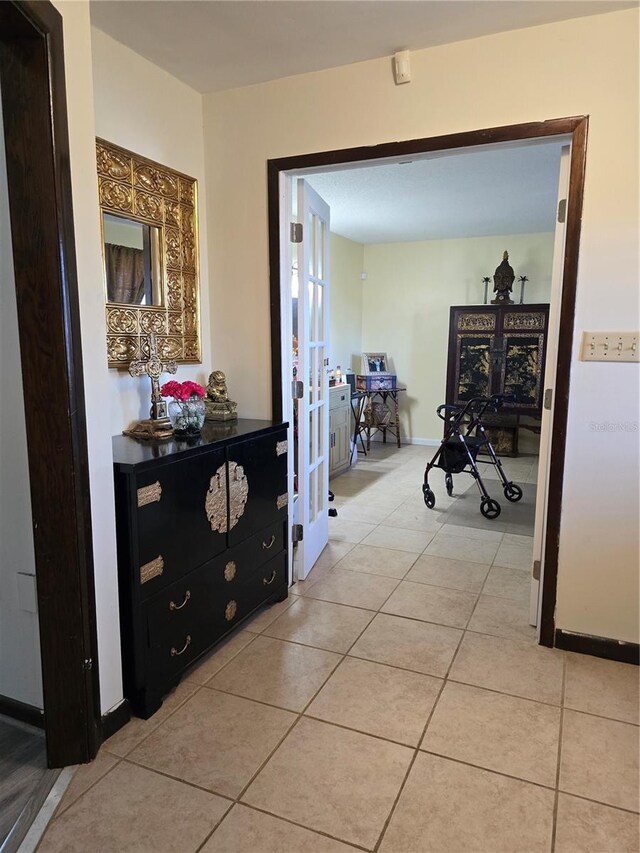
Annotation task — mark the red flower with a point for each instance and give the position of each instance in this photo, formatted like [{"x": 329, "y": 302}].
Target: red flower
[
  {"x": 182, "y": 391},
  {"x": 193, "y": 389},
  {"x": 170, "y": 389}
]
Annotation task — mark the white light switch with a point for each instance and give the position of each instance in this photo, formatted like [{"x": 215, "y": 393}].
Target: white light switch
[{"x": 610, "y": 346}]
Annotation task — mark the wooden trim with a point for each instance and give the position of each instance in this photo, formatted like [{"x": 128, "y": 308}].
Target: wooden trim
[
  {"x": 115, "y": 719},
  {"x": 468, "y": 139},
  {"x": 273, "y": 181},
  {"x": 599, "y": 647},
  {"x": 574, "y": 125},
  {"x": 40, "y": 202},
  {"x": 562, "y": 383},
  {"x": 21, "y": 711}
]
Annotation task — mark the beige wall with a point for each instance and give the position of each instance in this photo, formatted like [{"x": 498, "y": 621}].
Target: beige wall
[
  {"x": 345, "y": 312},
  {"x": 409, "y": 290},
  {"x": 583, "y": 66},
  {"x": 141, "y": 107}
]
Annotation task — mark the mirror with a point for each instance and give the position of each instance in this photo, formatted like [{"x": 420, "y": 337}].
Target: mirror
[
  {"x": 131, "y": 261},
  {"x": 149, "y": 217}
]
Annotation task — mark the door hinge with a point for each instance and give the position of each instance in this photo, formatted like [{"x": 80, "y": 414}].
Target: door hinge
[
  {"x": 295, "y": 232},
  {"x": 548, "y": 398},
  {"x": 562, "y": 210},
  {"x": 296, "y": 533},
  {"x": 536, "y": 570},
  {"x": 297, "y": 389}
]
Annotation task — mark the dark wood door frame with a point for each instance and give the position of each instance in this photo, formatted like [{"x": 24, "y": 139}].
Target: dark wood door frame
[
  {"x": 32, "y": 79},
  {"x": 576, "y": 127}
]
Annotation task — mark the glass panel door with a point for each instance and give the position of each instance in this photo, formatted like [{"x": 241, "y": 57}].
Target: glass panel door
[{"x": 313, "y": 421}]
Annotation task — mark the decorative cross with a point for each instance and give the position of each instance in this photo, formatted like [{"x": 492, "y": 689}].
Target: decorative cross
[{"x": 154, "y": 367}]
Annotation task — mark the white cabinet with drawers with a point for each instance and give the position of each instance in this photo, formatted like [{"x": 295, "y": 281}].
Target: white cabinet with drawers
[{"x": 339, "y": 428}]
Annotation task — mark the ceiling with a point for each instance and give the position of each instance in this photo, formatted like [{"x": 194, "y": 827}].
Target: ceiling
[
  {"x": 221, "y": 44},
  {"x": 501, "y": 189}
]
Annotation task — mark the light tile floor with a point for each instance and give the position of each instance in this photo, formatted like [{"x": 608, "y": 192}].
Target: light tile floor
[{"x": 396, "y": 701}]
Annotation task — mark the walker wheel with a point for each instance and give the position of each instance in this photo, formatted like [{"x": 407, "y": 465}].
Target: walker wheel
[
  {"x": 512, "y": 492},
  {"x": 448, "y": 481},
  {"x": 429, "y": 497},
  {"x": 489, "y": 508}
]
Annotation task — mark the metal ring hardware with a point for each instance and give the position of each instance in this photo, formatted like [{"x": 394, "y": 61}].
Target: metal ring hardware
[
  {"x": 271, "y": 579},
  {"x": 175, "y": 652},
  {"x": 174, "y": 606},
  {"x": 267, "y": 545}
]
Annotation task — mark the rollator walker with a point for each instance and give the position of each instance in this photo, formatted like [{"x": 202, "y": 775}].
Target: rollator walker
[{"x": 464, "y": 437}]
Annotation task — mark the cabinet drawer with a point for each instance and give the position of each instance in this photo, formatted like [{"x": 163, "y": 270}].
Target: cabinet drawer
[
  {"x": 246, "y": 558},
  {"x": 203, "y": 611},
  {"x": 261, "y": 585},
  {"x": 179, "y": 607},
  {"x": 339, "y": 397}
]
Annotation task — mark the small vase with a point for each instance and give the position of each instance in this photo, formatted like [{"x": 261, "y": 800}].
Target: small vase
[{"x": 186, "y": 416}]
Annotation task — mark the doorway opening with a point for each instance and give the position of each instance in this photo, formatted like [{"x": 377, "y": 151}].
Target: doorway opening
[
  {"x": 54, "y": 596},
  {"x": 569, "y": 131}
]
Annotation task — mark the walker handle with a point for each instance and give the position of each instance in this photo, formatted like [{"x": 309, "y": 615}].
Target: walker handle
[{"x": 446, "y": 408}]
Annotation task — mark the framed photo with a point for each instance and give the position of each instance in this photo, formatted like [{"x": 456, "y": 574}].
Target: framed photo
[{"x": 375, "y": 362}]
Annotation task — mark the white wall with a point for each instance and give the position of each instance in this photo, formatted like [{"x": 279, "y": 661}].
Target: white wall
[
  {"x": 141, "y": 107},
  {"x": 409, "y": 290},
  {"x": 345, "y": 312},
  {"x": 583, "y": 66},
  {"x": 20, "y": 671},
  {"x": 98, "y": 391}
]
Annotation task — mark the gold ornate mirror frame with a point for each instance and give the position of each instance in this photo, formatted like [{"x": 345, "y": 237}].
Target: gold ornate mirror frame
[{"x": 132, "y": 186}]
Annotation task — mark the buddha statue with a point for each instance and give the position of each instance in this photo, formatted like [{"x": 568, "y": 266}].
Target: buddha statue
[
  {"x": 503, "y": 279},
  {"x": 217, "y": 405}
]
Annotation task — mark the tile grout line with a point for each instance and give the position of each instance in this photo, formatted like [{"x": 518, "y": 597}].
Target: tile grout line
[
  {"x": 59, "y": 812},
  {"x": 299, "y": 716},
  {"x": 342, "y": 657},
  {"x": 292, "y": 822},
  {"x": 556, "y": 798},
  {"x": 302, "y": 713},
  {"x": 417, "y": 749}
]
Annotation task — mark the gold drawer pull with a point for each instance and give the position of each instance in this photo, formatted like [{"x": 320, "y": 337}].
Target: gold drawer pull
[
  {"x": 269, "y": 544},
  {"x": 175, "y": 652},
  {"x": 271, "y": 579},
  {"x": 174, "y": 606},
  {"x": 230, "y": 610}
]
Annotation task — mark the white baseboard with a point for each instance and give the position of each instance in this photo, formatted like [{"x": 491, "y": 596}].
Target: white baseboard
[{"x": 427, "y": 442}]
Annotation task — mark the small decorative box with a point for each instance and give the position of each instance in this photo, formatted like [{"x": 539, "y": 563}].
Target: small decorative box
[{"x": 376, "y": 381}]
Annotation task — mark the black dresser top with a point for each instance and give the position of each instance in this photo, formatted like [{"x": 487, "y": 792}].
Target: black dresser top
[{"x": 130, "y": 453}]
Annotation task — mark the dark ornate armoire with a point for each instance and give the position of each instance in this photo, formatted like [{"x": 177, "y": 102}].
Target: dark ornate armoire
[{"x": 499, "y": 349}]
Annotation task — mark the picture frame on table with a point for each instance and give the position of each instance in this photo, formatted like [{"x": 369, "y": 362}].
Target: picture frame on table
[{"x": 375, "y": 362}]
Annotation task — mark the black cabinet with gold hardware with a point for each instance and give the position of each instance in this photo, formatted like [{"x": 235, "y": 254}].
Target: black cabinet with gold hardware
[
  {"x": 499, "y": 349},
  {"x": 202, "y": 543}
]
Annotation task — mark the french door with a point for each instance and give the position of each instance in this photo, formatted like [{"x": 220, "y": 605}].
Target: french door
[
  {"x": 313, "y": 405},
  {"x": 544, "y": 462}
]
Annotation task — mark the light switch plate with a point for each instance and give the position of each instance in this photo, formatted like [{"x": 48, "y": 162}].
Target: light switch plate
[{"x": 610, "y": 346}]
